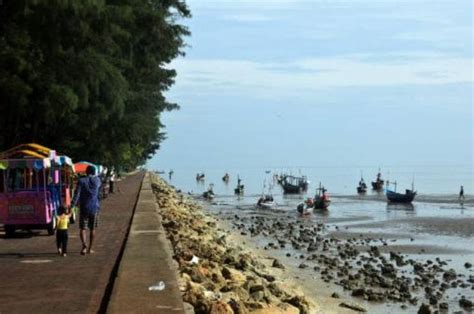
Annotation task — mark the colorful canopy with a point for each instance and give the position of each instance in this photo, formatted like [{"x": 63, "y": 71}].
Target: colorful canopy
[
  {"x": 37, "y": 164},
  {"x": 33, "y": 156},
  {"x": 27, "y": 150},
  {"x": 80, "y": 167}
]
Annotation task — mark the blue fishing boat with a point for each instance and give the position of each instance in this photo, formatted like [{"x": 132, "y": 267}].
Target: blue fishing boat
[
  {"x": 407, "y": 197},
  {"x": 395, "y": 197}
]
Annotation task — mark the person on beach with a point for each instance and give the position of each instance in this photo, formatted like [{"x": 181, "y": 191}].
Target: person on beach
[
  {"x": 62, "y": 222},
  {"x": 87, "y": 195},
  {"x": 461, "y": 193},
  {"x": 112, "y": 182}
]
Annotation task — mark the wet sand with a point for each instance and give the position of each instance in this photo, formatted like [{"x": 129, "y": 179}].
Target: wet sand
[
  {"x": 461, "y": 227},
  {"x": 385, "y": 264},
  {"x": 378, "y": 257}
]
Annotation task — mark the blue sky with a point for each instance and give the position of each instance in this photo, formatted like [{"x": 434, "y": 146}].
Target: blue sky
[{"x": 371, "y": 82}]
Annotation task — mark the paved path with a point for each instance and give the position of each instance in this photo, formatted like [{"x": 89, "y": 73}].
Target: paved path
[{"x": 34, "y": 279}]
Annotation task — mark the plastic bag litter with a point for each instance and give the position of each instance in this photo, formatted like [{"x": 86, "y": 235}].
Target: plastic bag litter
[
  {"x": 194, "y": 260},
  {"x": 158, "y": 287}
]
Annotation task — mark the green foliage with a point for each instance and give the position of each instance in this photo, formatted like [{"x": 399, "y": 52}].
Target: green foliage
[{"x": 87, "y": 77}]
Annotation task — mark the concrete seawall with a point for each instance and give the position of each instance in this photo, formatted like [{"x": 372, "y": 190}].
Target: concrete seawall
[{"x": 146, "y": 262}]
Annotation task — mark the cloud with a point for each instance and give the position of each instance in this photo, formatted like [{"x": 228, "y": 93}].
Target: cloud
[
  {"x": 268, "y": 80},
  {"x": 448, "y": 36},
  {"x": 247, "y": 17}
]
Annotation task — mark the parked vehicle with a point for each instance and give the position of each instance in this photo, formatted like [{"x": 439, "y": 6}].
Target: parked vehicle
[{"x": 34, "y": 182}]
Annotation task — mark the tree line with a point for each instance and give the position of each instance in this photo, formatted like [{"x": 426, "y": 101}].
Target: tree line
[{"x": 87, "y": 77}]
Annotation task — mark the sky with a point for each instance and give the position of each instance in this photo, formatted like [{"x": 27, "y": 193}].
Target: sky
[{"x": 304, "y": 83}]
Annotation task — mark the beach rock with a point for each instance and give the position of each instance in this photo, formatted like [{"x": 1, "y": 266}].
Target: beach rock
[
  {"x": 335, "y": 295},
  {"x": 449, "y": 275},
  {"x": 375, "y": 251},
  {"x": 433, "y": 300},
  {"x": 353, "y": 306},
  {"x": 254, "y": 306},
  {"x": 424, "y": 309},
  {"x": 277, "y": 264},
  {"x": 220, "y": 307},
  {"x": 256, "y": 288},
  {"x": 258, "y": 296},
  {"x": 444, "y": 306},
  {"x": 275, "y": 290},
  {"x": 313, "y": 246},
  {"x": 417, "y": 268},
  {"x": 388, "y": 270},
  {"x": 244, "y": 262},
  {"x": 238, "y": 307},
  {"x": 468, "y": 265},
  {"x": 233, "y": 275},
  {"x": 465, "y": 303},
  {"x": 299, "y": 302},
  {"x": 269, "y": 278},
  {"x": 360, "y": 292}
]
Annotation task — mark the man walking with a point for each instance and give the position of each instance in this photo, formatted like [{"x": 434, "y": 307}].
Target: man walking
[{"x": 87, "y": 194}]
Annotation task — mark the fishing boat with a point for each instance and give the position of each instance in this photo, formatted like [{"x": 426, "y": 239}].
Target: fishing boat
[
  {"x": 226, "y": 178},
  {"x": 239, "y": 190},
  {"x": 200, "y": 177},
  {"x": 377, "y": 185},
  {"x": 294, "y": 185},
  {"x": 394, "y": 197},
  {"x": 306, "y": 207},
  {"x": 362, "y": 188},
  {"x": 209, "y": 194},
  {"x": 266, "y": 200},
  {"x": 321, "y": 200}
]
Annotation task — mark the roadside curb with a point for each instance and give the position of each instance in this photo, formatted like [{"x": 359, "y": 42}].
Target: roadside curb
[{"x": 147, "y": 278}]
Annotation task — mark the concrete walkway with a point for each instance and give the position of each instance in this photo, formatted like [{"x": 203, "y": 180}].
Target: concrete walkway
[
  {"x": 146, "y": 280},
  {"x": 34, "y": 279}
]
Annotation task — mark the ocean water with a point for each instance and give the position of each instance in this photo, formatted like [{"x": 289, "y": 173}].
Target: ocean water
[{"x": 338, "y": 180}]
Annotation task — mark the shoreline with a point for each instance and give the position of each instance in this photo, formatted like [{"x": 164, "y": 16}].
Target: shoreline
[
  {"x": 215, "y": 274},
  {"x": 325, "y": 303},
  {"x": 330, "y": 266},
  {"x": 385, "y": 271}
]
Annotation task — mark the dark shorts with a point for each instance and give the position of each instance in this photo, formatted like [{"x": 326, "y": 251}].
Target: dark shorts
[{"x": 90, "y": 221}]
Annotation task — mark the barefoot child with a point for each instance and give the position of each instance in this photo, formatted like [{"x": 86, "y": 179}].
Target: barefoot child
[{"x": 61, "y": 233}]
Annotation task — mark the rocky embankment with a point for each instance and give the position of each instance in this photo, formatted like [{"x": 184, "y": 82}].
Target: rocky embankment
[{"x": 217, "y": 276}]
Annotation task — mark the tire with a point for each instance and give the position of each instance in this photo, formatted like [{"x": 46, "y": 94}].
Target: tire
[
  {"x": 9, "y": 231},
  {"x": 52, "y": 226}
]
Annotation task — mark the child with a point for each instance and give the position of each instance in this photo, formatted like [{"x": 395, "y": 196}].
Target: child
[{"x": 61, "y": 232}]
